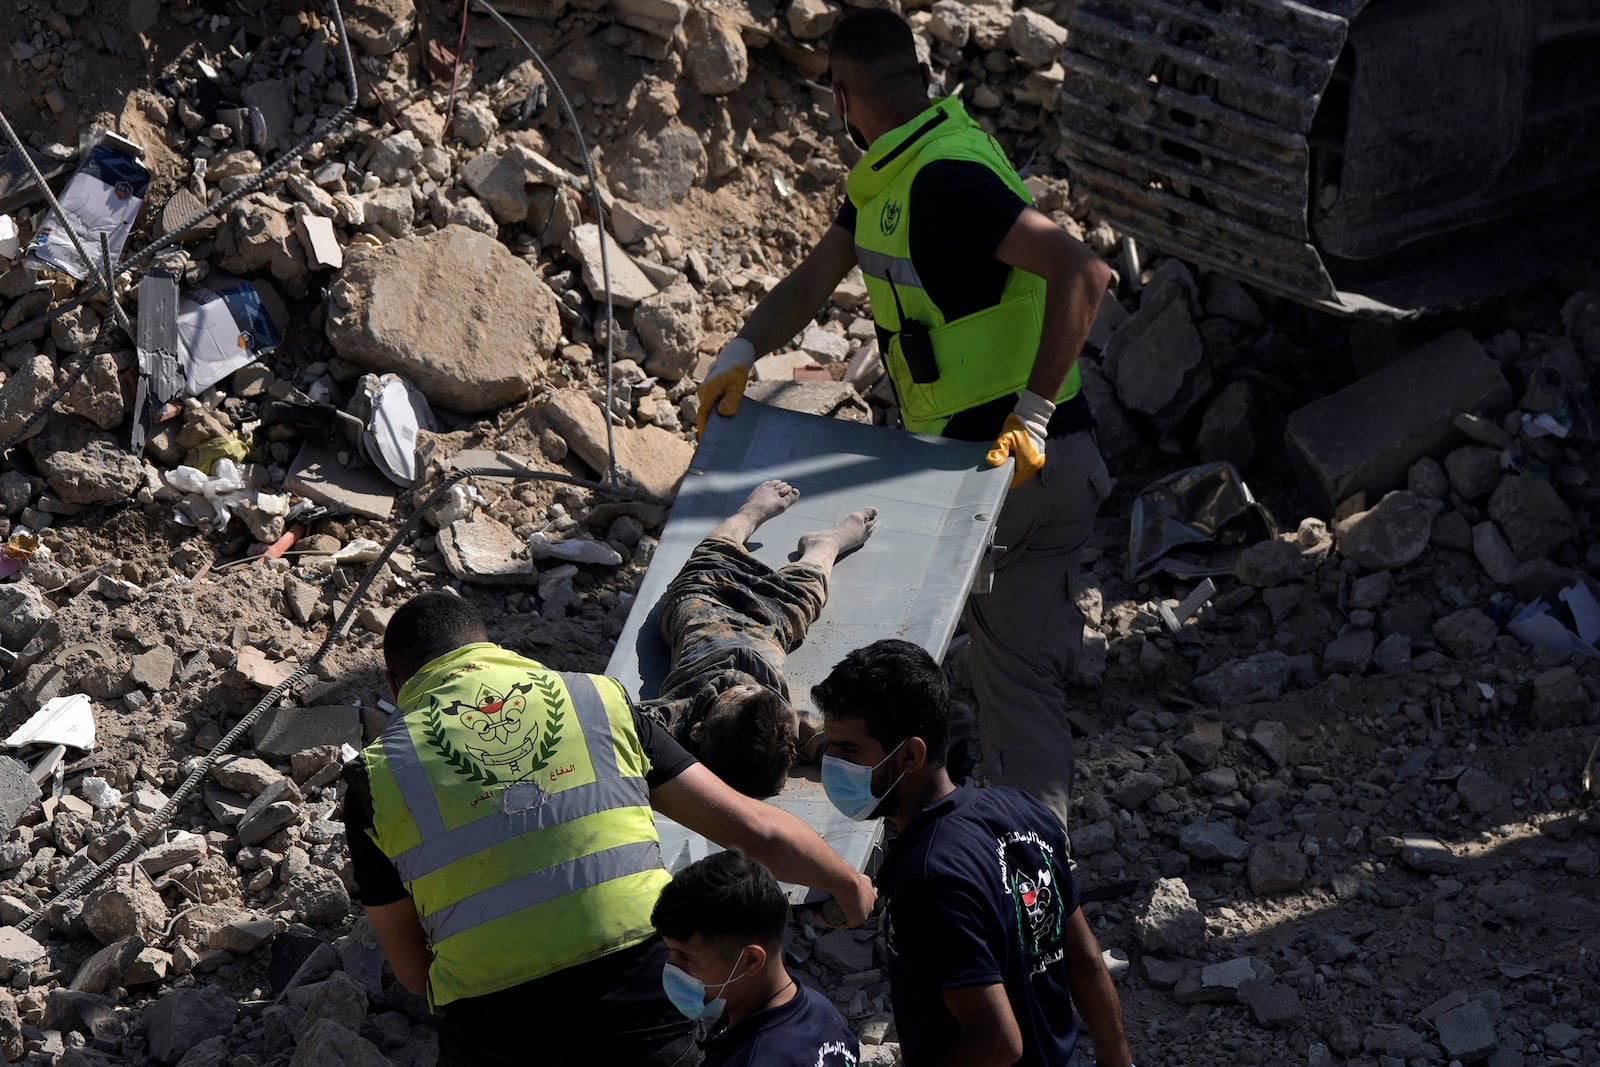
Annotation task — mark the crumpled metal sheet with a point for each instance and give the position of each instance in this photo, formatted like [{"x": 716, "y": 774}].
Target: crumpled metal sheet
[{"x": 1194, "y": 523}]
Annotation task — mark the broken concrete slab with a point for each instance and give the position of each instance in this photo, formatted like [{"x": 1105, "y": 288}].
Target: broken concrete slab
[
  {"x": 628, "y": 283},
  {"x": 480, "y": 550},
  {"x": 1390, "y": 534},
  {"x": 18, "y": 952},
  {"x": 84, "y": 464},
  {"x": 283, "y": 731},
  {"x": 319, "y": 474},
  {"x": 1363, "y": 438},
  {"x": 649, "y": 457},
  {"x": 1152, "y": 353},
  {"x": 322, "y": 248},
  {"x": 1467, "y": 1032},
  {"x": 834, "y": 400},
  {"x": 454, "y": 312},
  {"x": 18, "y": 791},
  {"x": 254, "y": 668}
]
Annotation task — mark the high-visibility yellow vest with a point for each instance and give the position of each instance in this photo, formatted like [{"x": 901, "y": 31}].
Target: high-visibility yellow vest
[
  {"x": 512, "y": 801},
  {"x": 982, "y": 356}
]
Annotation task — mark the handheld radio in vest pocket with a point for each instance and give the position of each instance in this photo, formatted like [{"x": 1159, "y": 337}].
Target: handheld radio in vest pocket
[{"x": 916, "y": 344}]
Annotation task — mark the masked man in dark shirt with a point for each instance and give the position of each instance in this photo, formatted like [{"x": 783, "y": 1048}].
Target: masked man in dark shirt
[
  {"x": 990, "y": 959},
  {"x": 730, "y": 620}
]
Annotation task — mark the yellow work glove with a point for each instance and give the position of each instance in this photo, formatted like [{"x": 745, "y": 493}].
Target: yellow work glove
[
  {"x": 1023, "y": 437},
  {"x": 724, "y": 386}
]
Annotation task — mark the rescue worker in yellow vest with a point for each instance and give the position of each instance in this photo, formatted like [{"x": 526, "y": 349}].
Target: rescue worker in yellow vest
[
  {"x": 982, "y": 305},
  {"x": 503, "y": 843}
]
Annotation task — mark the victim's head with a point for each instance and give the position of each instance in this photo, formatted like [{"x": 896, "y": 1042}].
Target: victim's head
[{"x": 748, "y": 739}]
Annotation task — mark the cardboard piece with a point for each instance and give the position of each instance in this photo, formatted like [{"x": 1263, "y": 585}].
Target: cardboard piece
[
  {"x": 103, "y": 197},
  {"x": 222, "y": 327}
]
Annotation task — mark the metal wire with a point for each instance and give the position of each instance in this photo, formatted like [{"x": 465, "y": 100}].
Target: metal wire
[
  {"x": 256, "y": 182},
  {"x": 169, "y": 810},
  {"x": 599, "y": 217}
]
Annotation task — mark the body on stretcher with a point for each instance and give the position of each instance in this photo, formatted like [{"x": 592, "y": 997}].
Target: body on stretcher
[{"x": 937, "y": 508}]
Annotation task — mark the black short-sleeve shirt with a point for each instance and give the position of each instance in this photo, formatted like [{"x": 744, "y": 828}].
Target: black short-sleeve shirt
[
  {"x": 959, "y": 212},
  {"x": 978, "y": 893},
  {"x": 808, "y": 1031}
]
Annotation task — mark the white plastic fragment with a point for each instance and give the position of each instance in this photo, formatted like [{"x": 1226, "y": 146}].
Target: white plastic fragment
[
  {"x": 101, "y": 793},
  {"x": 67, "y": 720},
  {"x": 541, "y": 547}
]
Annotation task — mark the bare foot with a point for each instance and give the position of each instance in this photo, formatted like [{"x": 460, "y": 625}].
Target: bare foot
[
  {"x": 769, "y": 500},
  {"x": 848, "y": 536}
]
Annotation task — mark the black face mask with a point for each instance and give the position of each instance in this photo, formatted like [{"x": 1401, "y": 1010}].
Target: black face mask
[{"x": 857, "y": 138}]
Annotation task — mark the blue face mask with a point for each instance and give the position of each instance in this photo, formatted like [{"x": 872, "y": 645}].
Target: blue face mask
[
  {"x": 688, "y": 993},
  {"x": 849, "y": 785}
]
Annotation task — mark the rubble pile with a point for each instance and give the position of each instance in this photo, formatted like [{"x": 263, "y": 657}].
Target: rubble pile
[{"x": 1333, "y": 814}]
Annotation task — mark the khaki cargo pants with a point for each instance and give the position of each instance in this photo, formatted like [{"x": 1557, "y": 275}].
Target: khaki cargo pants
[{"x": 1027, "y": 632}]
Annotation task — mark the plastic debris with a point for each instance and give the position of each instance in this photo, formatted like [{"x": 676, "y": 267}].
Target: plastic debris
[
  {"x": 1544, "y": 424},
  {"x": 209, "y": 498},
  {"x": 67, "y": 720},
  {"x": 393, "y": 410},
  {"x": 222, "y": 327},
  {"x": 101, "y": 199},
  {"x": 542, "y": 547},
  {"x": 157, "y": 344},
  {"x": 1174, "y": 618},
  {"x": 10, "y": 245},
  {"x": 1535, "y": 626},
  {"x": 1194, "y": 523},
  {"x": 205, "y": 456},
  {"x": 17, "y": 551},
  {"x": 101, "y": 793}
]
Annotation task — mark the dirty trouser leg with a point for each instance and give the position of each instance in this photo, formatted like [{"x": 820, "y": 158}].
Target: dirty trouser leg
[{"x": 1027, "y": 632}]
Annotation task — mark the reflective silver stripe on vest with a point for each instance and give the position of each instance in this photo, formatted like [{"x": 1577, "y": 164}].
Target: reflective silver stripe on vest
[
  {"x": 532, "y": 808},
  {"x": 400, "y": 753},
  {"x": 885, "y": 267},
  {"x": 541, "y": 887}
]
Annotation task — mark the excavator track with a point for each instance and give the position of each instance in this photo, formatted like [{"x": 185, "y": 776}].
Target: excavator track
[{"x": 1244, "y": 135}]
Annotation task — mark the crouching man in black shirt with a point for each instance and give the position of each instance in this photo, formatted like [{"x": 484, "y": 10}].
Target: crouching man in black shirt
[
  {"x": 502, "y": 840},
  {"x": 988, "y": 952}
]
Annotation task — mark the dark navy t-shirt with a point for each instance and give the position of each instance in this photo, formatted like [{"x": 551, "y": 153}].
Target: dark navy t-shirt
[
  {"x": 979, "y": 892},
  {"x": 808, "y": 1031}
]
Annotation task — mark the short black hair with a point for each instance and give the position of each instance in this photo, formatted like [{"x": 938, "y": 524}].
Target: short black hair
[
  {"x": 426, "y": 627},
  {"x": 894, "y": 687},
  {"x": 727, "y": 896},
  {"x": 753, "y": 749},
  {"x": 879, "y": 53}
]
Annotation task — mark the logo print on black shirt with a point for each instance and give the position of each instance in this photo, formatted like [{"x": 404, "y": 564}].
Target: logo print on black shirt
[
  {"x": 835, "y": 1054},
  {"x": 1028, "y": 871}
]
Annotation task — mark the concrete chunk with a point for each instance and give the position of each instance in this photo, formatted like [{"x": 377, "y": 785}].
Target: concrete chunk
[
  {"x": 628, "y": 283},
  {"x": 1363, "y": 438},
  {"x": 18, "y": 951},
  {"x": 281, "y": 732},
  {"x": 1467, "y": 1033},
  {"x": 17, "y": 792}
]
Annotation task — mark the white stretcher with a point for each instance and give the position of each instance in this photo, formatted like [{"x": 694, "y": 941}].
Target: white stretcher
[{"x": 937, "y": 507}]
